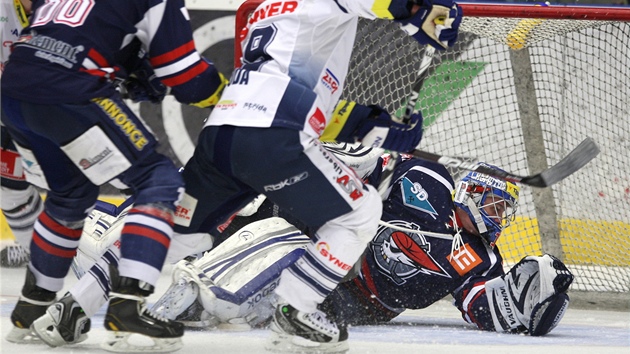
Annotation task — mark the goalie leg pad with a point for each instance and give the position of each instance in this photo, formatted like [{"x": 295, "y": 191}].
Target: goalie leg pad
[
  {"x": 101, "y": 230},
  {"x": 181, "y": 294},
  {"x": 237, "y": 279}
]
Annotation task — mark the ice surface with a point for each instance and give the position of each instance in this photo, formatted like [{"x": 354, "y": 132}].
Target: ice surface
[{"x": 437, "y": 329}]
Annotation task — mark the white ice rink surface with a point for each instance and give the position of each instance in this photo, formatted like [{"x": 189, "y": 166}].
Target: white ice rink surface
[{"x": 435, "y": 330}]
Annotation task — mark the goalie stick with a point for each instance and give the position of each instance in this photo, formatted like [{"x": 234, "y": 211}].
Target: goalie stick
[{"x": 575, "y": 160}]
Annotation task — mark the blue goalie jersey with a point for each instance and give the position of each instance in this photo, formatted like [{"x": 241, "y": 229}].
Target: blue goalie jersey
[{"x": 404, "y": 269}]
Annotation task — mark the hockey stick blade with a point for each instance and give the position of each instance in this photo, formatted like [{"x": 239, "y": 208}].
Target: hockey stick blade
[{"x": 586, "y": 151}]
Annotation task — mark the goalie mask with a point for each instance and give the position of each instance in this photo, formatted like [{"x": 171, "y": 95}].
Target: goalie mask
[{"x": 490, "y": 203}]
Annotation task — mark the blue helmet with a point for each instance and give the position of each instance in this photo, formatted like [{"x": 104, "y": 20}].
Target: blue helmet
[{"x": 490, "y": 202}]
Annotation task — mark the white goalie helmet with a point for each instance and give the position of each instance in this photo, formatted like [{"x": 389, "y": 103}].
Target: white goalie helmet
[{"x": 362, "y": 159}]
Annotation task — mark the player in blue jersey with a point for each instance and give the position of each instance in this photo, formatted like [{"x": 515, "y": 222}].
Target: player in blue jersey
[
  {"x": 264, "y": 136},
  {"x": 436, "y": 238},
  {"x": 75, "y": 133},
  {"x": 21, "y": 202}
]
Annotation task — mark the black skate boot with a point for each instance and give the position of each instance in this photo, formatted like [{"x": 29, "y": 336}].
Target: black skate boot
[
  {"x": 63, "y": 323},
  {"x": 128, "y": 314},
  {"x": 296, "y": 331},
  {"x": 31, "y": 305}
]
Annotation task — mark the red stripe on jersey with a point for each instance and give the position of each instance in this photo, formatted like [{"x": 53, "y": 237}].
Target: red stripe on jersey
[
  {"x": 163, "y": 215},
  {"x": 51, "y": 249},
  {"x": 173, "y": 54},
  {"x": 145, "y": 231},
  {"x": 58, "y": 229},
  {"x": 186, "y": 75},
  {"x": 95, "y": 72},
  {"x": 97, "y": 58}
]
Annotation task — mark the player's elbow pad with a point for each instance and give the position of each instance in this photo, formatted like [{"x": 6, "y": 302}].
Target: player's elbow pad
[{"x": 345, "y": 120}]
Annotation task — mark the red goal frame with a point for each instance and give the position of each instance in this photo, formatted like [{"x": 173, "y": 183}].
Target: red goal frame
[{"x": 593, "y": 13}]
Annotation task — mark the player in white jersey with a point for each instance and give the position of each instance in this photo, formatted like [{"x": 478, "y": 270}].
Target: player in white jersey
[
  {"x": 20, "y": 202},
  {"x": 264, "y": 137}
]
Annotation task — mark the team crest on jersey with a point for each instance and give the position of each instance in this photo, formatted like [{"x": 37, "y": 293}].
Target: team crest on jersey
[
  {"x": 416, "y": 197},
  {"x": 401, "y": 255}
]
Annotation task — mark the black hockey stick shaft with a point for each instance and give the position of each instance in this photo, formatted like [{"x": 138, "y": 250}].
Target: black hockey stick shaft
[{"x": 586, "y": 151}]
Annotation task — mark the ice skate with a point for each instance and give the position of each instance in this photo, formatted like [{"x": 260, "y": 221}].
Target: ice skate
[
  {"x": 132, "y": 324},
  {"x": 294, "y": 331},
  {"x": 31, "y": 305},
  {"x": 63, "y": 323},
  {"x": 14, "y": 256}
]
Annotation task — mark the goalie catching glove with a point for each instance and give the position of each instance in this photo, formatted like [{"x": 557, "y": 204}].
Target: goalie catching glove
[
  {"x": 436, "y": 23},
  {"x": 531, "y": 296},
  {"x": 373, "y": 127}
]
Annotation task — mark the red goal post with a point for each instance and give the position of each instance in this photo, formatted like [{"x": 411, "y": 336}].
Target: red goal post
[
  {"x": 590, "y": 13},
  {"x": 522, "y": 86}
]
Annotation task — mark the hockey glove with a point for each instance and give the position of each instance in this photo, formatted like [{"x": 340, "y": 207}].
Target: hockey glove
[
  {"x": 143, "y": 85},
  {"x": 436, "y": 23},
  {"x": 380, "y": 131},
  {"x": 531, "y": 296}
]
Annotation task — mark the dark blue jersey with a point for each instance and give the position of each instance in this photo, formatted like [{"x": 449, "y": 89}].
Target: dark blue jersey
[
  {"x": 408, "y": 270},
  {"x": 74, "y": 50}
]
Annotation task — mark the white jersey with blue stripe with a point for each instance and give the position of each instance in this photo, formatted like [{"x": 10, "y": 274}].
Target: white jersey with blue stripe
[{"x": 295, "y": 60}]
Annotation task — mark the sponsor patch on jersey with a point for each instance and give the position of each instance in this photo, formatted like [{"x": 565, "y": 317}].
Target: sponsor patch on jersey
[
  {"x": 252, "y": 106},
  {"x": 464, "y": 259},
  {"x": 351, "y": 186},
  {"x": 330, "y": 81},
  {"x": 324, "y": 250},
  {"x": 317, "y": 121},
  {"x": 96, "y": 156},
  {"x": 12, "y": 165},
  {"x": 416, "y": 197},
  {"x": 272, "y": 9},
  {"x": 224, "y": 105},
  {"x": 185, "y": 210},
  {"x": 124, "y": 123}
]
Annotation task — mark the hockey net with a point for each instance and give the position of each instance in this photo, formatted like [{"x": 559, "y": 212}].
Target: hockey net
[{"x": 521, "y": 88}]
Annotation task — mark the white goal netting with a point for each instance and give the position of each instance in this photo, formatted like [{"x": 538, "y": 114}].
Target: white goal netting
[{"x": 521, "y": 93}]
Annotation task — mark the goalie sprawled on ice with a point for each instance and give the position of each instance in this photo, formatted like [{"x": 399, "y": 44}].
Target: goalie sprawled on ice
[{"x": 436, "y": 239}]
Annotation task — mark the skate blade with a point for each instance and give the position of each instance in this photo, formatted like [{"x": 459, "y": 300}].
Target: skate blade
[
  {"x": 127, "y": 342},
  {"x": 22, "y": 336},
  {"x": 52, "y": 338},
  {"x": 285, "y": 343}
]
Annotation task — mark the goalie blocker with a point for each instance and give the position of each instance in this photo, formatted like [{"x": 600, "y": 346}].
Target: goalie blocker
[{"x": 531, "y": 296}]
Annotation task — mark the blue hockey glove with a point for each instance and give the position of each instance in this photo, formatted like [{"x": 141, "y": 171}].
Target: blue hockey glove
[
  {"x": 436, "y": 23},
  {"x": 143, "y": 85},
  {"x": 379, "y": 130}
]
